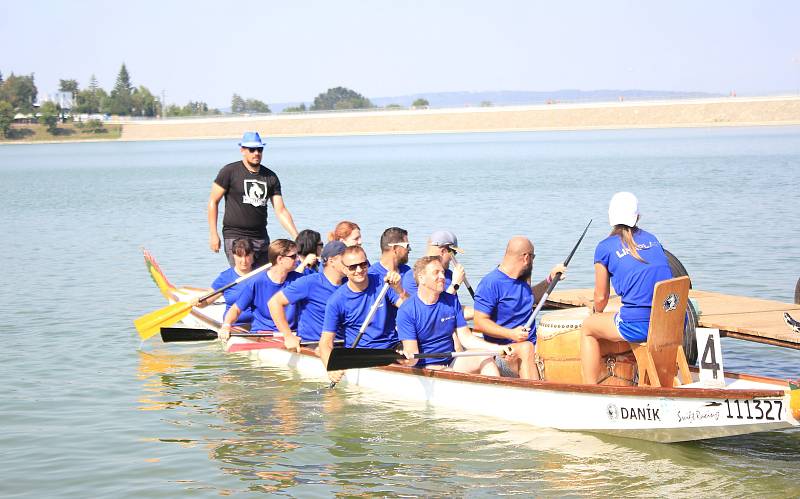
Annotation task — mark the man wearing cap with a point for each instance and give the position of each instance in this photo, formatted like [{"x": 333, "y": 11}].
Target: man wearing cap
[
  {"x": 310, "y": 295},
  {"x": 247, "y": 186},
  {"x": 504, "y": 302},
  {"x": 443, "y": 244}
]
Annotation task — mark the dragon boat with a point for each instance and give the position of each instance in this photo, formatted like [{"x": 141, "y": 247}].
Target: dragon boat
[{"x": 688, "y": 410}]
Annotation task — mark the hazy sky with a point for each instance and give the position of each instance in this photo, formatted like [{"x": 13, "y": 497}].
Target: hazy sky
[{"x": 293, "y": 50}]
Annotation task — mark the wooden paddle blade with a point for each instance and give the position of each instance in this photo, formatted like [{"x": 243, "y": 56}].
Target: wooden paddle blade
[
  {"x": 354, "y": 358},
  {"x": 150, "y": 324},
  {"x": 170, "y": 334}
]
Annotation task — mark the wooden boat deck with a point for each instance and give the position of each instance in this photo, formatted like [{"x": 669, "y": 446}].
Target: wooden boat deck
[{"x": 751, "y": 319}]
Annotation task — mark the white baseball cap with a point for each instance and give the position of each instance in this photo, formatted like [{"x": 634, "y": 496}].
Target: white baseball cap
[{"x": 623, "y": 209}]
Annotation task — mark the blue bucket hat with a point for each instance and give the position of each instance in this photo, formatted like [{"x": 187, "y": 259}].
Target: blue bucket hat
[{"x": 251, "y": 139}]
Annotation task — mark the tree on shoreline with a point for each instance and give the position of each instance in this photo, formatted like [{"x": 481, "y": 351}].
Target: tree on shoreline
[
  {"x": 121, "y": 99},
  {"x": 240, "y": 105},
  {"x": 20, "y": 92},
  {"x": 340, "y": 98},
  {"x": 6, "y": 117}
]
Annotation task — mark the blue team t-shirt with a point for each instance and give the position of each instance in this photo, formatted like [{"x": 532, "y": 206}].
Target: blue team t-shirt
[
  {"x": 410, "y": 284},
  {"x": 347, "y": 309},
  {"x": 310, "y": 294},
  {"x": 508, "y": 302},
  {"x": 257, "y": 293},
  {"x": 634, "y": 280},
  {"x": 432, "y": 326},
  {"x": 231, "y": 294},
  {"x": 377, "y": 269}
]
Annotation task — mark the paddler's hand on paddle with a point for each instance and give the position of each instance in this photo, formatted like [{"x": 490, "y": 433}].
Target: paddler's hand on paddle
[
  {"x": 409, "y": 359},
  {"x": 393, "y": 279},
  {"x": 213, "y": 242},
  {"x": 519, "y": 333},
  {"x": 555, "y": 270},
  {"x": 309, "y": 260},
  {"x": 224, "y": 332},
  {"x": 458, "y": 274},
  {"x": 291, "y": 342}
]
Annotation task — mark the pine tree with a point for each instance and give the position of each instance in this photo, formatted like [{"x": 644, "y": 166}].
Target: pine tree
[{"x": 121, "y": 101}]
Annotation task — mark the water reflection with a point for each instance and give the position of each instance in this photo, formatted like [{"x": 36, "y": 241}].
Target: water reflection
[{"x": 271, "y": 431}]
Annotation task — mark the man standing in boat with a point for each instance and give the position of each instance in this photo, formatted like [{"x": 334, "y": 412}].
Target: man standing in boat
[
  {"x": 431, "y": 321},
  {"x": 348, "y": 307},
  {"x": 247, "y": 186},
  {"x": 504, "y": 302}
]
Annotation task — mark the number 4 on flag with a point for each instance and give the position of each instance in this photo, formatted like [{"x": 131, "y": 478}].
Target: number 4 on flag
[{"x": 711, "y": 371}]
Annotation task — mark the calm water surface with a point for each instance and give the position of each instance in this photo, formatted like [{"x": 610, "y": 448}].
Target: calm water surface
[{"x": 86, "y": 412}]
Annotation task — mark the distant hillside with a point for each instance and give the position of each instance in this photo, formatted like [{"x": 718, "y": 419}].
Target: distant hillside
[{"x": 514, "y": 98}]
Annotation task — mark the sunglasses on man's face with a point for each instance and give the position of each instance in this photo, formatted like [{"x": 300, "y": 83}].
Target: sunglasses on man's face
[
  {"x": 404, "y": 245},
  {"x": 361, "y": 265},
  {"x": 255, "y": 149},
  {"x": 293, "y": 256}
]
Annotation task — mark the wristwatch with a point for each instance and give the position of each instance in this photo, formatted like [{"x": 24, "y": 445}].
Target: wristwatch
[{"x": 455, "y": 287}]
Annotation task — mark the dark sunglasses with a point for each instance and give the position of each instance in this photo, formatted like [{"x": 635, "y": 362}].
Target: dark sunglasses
[
  {"x": 255, "y": 149},
  {"x": 362, "y": 265},
  {"x": 293, "y": 256}
]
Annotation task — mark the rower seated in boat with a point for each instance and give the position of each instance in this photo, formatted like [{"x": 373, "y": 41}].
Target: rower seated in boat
[
  {"x": 349, "y": 306},
  {"x": 310, "y": 295},
  {"x": 309, "y": 249},
  {"x": 443, "y": 244},
  {"x": 633, "y": 261},
  {"x": 282, "y": 254},
  {"x": 243, "y": 256},
  {"x": 504, "y": 302},
  {"x": 426, "y": 323}
]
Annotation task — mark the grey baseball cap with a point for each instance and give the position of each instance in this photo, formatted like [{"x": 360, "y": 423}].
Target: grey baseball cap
[{"x": 445, "y": 238}]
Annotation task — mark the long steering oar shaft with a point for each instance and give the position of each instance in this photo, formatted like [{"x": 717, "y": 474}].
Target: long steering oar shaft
[
  {"x": 150, "y": 324},
  {"x": 555, "y": 280},
  {"x": 355, "y": 358}
]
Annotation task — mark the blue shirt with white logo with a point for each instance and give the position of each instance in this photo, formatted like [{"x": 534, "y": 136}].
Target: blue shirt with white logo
[
  {"x": 231, "y": 294},
  {"x": 508, "y": 302},
  {"x": 432, "y": 326},
  {"x": 634, "y": 280},
  {"x": 346, "y": 311},
  {"x": 257, "y": 293},
  {"x": 310, "y": 295}
]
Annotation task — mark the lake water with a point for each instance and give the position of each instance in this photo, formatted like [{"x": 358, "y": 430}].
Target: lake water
[{"x": 86, "y": 412}]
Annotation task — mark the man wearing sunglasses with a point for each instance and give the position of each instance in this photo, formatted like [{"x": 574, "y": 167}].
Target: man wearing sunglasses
[
  {"x": 504, "y": 302},
  {"x": 247, "y": 186},
  {"x": 348, "y": 307},
  {"x": 310, "y": 293},
  {"x": 258, "y": 290},
  {"x": 443, "y": 244},
  {"x": 394, "y": 258}
]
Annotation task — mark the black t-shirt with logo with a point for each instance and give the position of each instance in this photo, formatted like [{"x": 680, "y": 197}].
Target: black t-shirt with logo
[{"x": 246, "y": 198}]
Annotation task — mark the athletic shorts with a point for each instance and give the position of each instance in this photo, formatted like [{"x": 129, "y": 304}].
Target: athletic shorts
[{"x": 634, "y": 332}]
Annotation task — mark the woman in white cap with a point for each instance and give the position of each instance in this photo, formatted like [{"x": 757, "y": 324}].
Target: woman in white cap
[{"x": 633, "y": 261}]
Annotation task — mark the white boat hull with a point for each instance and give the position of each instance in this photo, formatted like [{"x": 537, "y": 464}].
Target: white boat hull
[{"x": 746, "y": 405}]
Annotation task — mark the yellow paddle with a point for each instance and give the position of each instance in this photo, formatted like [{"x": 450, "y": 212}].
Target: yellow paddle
[{"x": 150, "y": 324}]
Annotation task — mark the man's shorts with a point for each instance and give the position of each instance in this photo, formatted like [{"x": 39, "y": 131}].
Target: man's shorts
[{"x": 633, "y": 332}]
